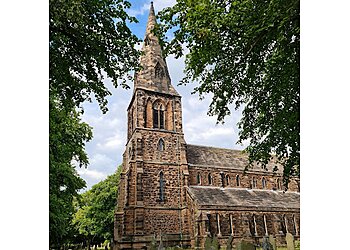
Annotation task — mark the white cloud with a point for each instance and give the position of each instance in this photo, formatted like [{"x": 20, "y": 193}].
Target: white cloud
[
  {"x": 112, "y": 143},
  {"x": 92, "y": 174}
]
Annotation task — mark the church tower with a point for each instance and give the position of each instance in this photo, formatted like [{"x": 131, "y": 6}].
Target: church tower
[{"x": 151, "y": 197}]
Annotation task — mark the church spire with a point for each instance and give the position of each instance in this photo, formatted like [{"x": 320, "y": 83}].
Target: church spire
[{"x": 154, "y": 74}]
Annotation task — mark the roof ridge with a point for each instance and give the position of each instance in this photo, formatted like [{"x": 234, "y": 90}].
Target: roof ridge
[{"x": 204, "y": 146}]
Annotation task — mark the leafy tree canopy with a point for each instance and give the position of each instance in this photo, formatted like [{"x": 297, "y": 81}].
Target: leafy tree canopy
[
  {"x": 67, "y": 137},
  {"x": 88, "y": 38},
  {"x": 245, "y": 53},
  {"x": 88, "y": 41},
  {"x": 94, "y": 218}
]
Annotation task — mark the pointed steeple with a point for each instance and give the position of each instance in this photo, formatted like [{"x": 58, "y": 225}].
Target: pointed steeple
[{"x": 154, "y": 74}]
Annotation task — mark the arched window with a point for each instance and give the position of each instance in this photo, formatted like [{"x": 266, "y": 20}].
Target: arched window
[
  {"x": 254, "y": 183},
  {"x": 227, "y": 180},
  {"x": 161, "y": 186},
  {"x": 198, "y": 178},
  {"x": 263, "y": 182},
  {"x": 279, "y": 186},
  {"x": 161, "y": 145},
  {"x": 210, "y": 179},
  {"x": 158, "y": 115},
  {"x": 238, "y": 181}
]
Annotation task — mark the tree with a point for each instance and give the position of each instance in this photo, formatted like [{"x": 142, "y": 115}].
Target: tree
[
  {"x": 245, "y": 53},
  {"x": 94, "y": 218},
  {"x": 88, "y": 41},
  {"x": 67, "y": 137}
]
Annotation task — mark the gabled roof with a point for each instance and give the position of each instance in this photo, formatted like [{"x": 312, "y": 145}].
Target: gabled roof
[
  {"x": 239, "y": 197},
  {"x": 225, "y": 158}
]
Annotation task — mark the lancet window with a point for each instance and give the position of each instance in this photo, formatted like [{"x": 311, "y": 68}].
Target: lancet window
[
  {"x": 210, "y": 179},
  {"x": 238, "y": 181},
  {"x": 263, "y": 182},
  {"x": 161, "y": 145},
  {"x": 227, "y": 180},
  {"x": 161, "y": 186},
  {"x": 198, "y": 178},
  {"x": 279, "y": 186}
]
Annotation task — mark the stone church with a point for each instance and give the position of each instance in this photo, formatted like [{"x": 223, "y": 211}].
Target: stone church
[{"x": 181, "y": 193}]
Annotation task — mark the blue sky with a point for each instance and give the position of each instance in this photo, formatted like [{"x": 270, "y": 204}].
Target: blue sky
[{"x": 107, "y": 146}]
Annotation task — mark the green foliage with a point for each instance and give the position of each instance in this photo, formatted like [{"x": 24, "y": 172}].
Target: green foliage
[
  {"x": 245, "y": 53},
  {"x": 67, "y": 137},
  {"x": 94, "y": 218},
  {"x": 88, "y": 41}
]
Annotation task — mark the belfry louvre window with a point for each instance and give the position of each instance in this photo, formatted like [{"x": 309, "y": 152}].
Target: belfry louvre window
[{"x": 158, "y": 116}]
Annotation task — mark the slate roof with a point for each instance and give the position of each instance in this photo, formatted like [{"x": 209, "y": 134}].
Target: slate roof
[
  {"x": 222, "y": 157},
  {"x": 239, "y": 197}
]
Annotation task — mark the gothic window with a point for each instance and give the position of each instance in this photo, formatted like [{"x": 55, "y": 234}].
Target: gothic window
[
  {"x": 231, "y": 225},
  {"x": 251, "y": 225},
  {"x": 161, "y": 186},
  {"x": 139, "y": 187},
  {"x": 210, "y": 179},
  {"x": 254, "y": 183},
  {"x": 254, "y": 221},
  {"x": 222, "y": 179},
  {"x": 218, "y": 224},
  {"x": 279, "y": 186},
  {"x": 238, "y": 181},
  {"x": 265, "y": 226},
  {"x": 161, "y": 145},
  {"x": 227, "y": 180},
  {"x": 198, "y": 178},
  {"x": 283, "y": 225},
  {"x": 263, "y": 181},
  {"x": 159, "y": 71},
  {"x": 158, "y": 116},
  {"x": 295, "y": 226}
]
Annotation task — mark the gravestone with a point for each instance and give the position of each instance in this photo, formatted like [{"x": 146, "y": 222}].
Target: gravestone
[
  {"x": 273, "y": 242},
  {"x": 290, "y": 241},
  {"x": 244, "y": 245},
  {"x": 266, "y": 245},
  {"x": 229, "y": 243}
]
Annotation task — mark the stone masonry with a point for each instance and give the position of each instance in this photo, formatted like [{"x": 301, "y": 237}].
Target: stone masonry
[{"x": 185, "y": 193}]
